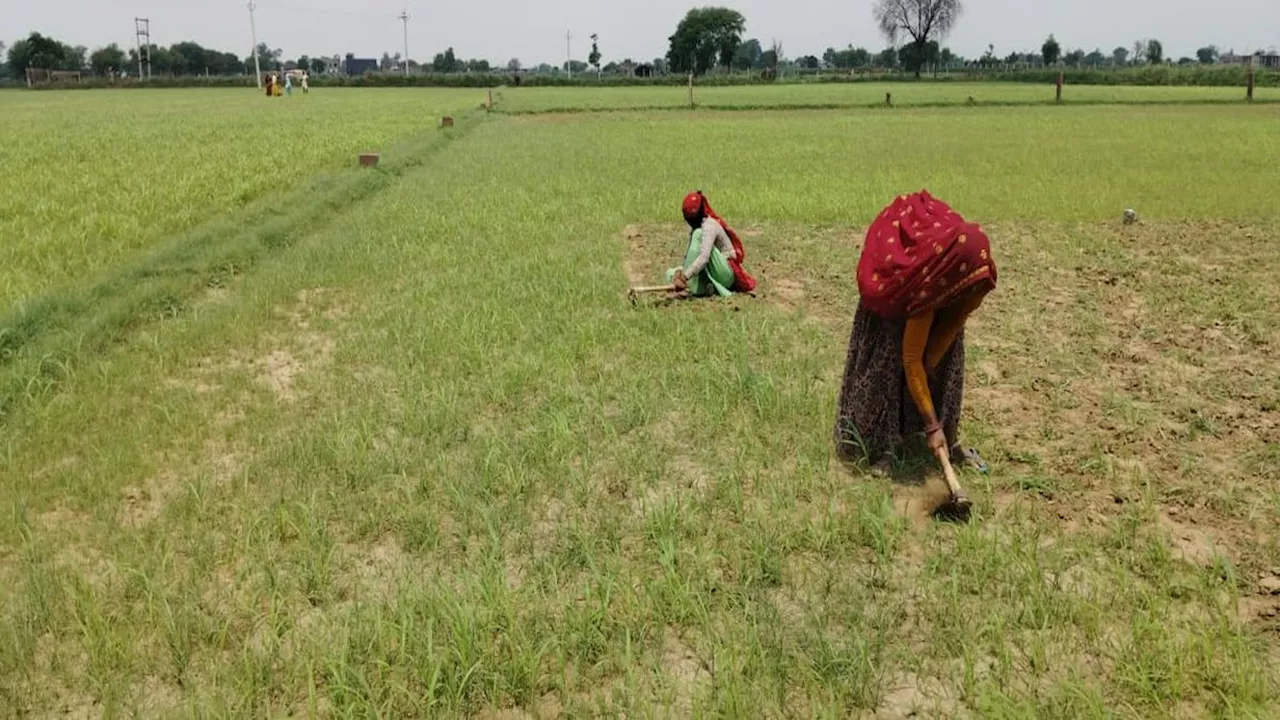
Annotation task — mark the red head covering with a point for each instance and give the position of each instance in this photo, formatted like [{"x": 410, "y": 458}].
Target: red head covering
[
  {"x": 920, "y": 255},
  {"x": 692, "y": 207},
  {"x": 695, "y": 207}
]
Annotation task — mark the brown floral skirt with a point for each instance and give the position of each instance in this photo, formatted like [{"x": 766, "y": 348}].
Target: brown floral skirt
[{"x": 876, "y": 412}]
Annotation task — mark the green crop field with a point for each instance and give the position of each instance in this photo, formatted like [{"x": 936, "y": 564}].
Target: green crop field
[
  {"x": 861, "y": 94},
  {"x": 393, "y": 442},
  {"x": 105, "y": 177}
]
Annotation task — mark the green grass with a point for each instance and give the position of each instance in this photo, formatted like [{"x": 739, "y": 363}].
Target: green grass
[
  {"x": 108, "y": 175},
  {"x": 423, "y": 458},
  {"x": 863, "y": 94}
]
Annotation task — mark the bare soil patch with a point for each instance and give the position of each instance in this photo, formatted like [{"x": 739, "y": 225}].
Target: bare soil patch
[
  {"x": 686, "y": 671},
  {"x": 140, "y": 504},
  {"x": 1123, "y": 373},
  {"x": 375, "y": 570},
  {"x": 911, "y": 696},
  {"x": 304, "y": 348}
]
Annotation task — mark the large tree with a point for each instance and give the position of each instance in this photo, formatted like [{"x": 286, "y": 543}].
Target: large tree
[
  {"x": 848, "y": 58},
  {"x": 76, "y": 58},
  {"x": 704, "y": 37},
  {"x": 187, "y": 58},
  {"x": 1051, "y": 51},
  {"x": 913, "y": 58},
  {"x": 748, "y": 55},
  {"x": 1139, "y": 51},
  {"x": 445, "y": 62},
  {"x": 162, "y": 60},
  {"x": 919, "y": 20},
  {"x": 107, "y": 59},
  {"x": 268, "y": 59},
  {"x": 1120, "y": 56},
  {"x": 1155, "y": 52},
  {"x": 768, "y": 60},
  {"x": 37, "y": 51},
  {"x": 1207, "y": 55}
]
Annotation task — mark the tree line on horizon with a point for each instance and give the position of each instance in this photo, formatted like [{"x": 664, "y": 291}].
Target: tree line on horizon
[{"x": 706, "y": 40}]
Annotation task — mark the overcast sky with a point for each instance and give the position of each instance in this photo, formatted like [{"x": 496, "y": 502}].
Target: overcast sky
[{"x": 534, "y": 30}]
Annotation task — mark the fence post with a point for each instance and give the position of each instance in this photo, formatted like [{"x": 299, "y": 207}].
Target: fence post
[
  {"x": 489, "y": 106},
  {"x": 888, "y": 99},
  {"x": 1249, "y": 90},
  {"x": 1058, "y": 94},
  {"x": 691, "y": 89}
]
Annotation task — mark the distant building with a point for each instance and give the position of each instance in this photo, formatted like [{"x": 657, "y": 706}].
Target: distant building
[
  {"x": 1257, "y": 60},
  {"x": 359, "y": 66}
]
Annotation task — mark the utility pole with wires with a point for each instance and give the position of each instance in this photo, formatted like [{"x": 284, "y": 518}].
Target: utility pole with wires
[
  {"x": 404, "y": 18},
  {"x": 142, "y": 37},
  {"x": 253, "y": 34},
  {"x": 568, "y": 52}
]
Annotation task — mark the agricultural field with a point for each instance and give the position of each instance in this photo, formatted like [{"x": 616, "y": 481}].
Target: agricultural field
[
  {"x": 861, "y": 94},
  {"x": 413, "y": 453},
  {"x": 107, "y": 176}
]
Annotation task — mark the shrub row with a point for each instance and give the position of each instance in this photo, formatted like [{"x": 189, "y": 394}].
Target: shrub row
[{"x": 1217, "y": 75}]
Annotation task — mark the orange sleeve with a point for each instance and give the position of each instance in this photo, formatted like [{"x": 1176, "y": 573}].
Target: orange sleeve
[
  {"x": 914, "y": 341},
  {"x": 950, "y": 322}
]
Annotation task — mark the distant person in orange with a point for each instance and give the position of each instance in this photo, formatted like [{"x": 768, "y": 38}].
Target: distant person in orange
[{"x": 268, "y": 80}]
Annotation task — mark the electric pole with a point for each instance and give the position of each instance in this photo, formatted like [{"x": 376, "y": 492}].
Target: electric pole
[
  {"x": 142, "y": 36},
  {"x": 568, "y": 52},
  {"x": 253, "y": 33},
  {"x": 404, "y": 18}
]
